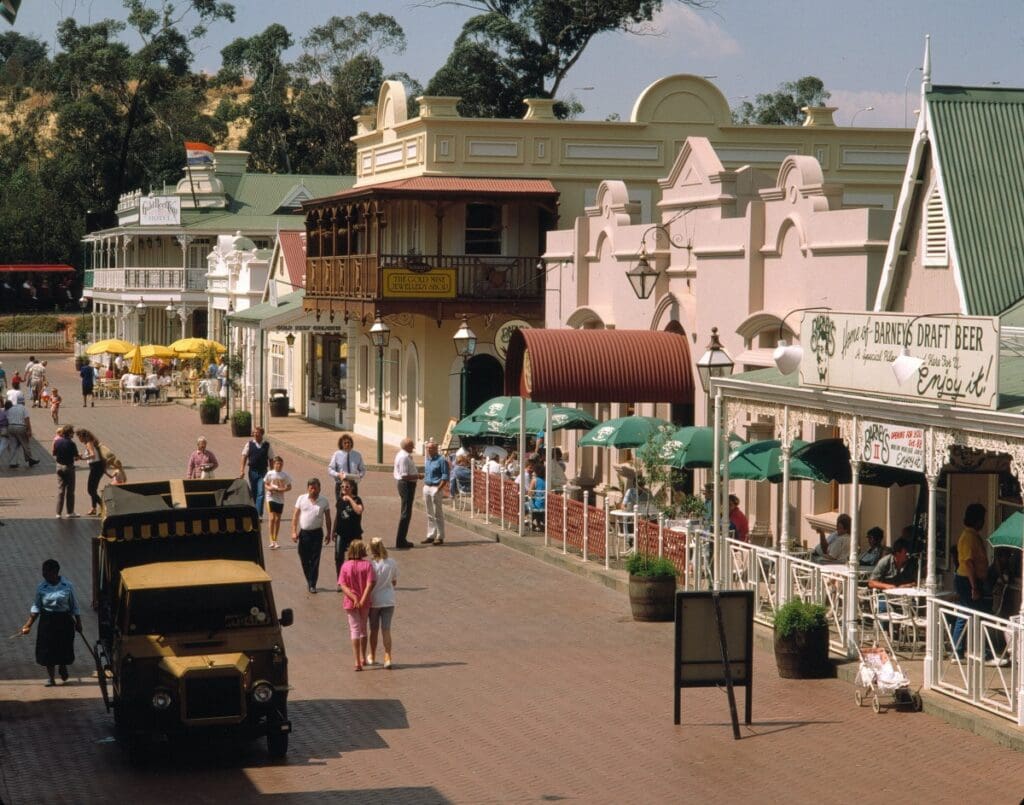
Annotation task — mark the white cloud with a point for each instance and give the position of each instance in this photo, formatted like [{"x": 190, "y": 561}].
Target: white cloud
[
  {"x": 888, "y": 106},
  {"x": 695, "y": 33}
]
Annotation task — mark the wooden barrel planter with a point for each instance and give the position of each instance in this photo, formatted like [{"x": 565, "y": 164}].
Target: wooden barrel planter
[
  {"x": 209, "y": 414},
  {"x": 652, "y": 598},
  {"x": 803, "y": 654}
]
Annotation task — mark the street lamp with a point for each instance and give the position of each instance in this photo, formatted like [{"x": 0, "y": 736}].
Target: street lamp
[
  {"x": 865, "y": 109},
  {"x": 465, "y": 346},
  {"x": 643, "y": 276},
  {"x": 140, "y": 311},
  {"x": 715, "y": 362},
  {"x": 380, "y": 335}
]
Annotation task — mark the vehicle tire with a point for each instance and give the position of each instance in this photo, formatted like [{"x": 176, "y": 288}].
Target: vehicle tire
[
  {"x": 277, "y": 741},
  {"x": 876, "y": 705},
  {"x": 859, "y": 698},
  {"x": 918, "y": 702}
]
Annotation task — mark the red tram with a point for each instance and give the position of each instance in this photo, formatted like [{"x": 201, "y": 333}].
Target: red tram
[{"x": 35, "y": 288}]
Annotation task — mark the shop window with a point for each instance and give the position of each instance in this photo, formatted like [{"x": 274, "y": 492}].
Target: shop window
[
  {"x": 277, "y": 376},
  {"x": 330, "y": 368},
  {"x": 394, "y": 381},
  {"x": 483, "y": 229}
]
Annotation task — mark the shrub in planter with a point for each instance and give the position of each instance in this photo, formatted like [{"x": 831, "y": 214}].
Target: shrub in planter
[
  {"x": 652, "y": 587},
  {"x": 209, "y": 410},
  {"x": 801, "y": 640},
  {"x": 241, "y": 423}
]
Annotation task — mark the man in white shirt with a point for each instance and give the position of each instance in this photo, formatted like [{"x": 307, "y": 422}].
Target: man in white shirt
[
  {"x": 19, "y": 433},
  {"x": 406, "y": 476},
  {"x": 15, "y": 394},
  {"x": 311, "y": 528},
  {"x": 493, "y": 466},
  {"x": 347, "y": 462},
  {"x": 836, "y": 546}
]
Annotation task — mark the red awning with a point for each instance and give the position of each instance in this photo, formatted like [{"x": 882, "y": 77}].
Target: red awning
[
  {"x": 448, "y": 186},
  {"x": 599, "y": 366},
  {"x": 28, "y": 268}
]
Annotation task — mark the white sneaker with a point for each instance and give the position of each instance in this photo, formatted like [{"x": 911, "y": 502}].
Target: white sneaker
[
  {"x": 998, "y": 662},
  {"x": 58, "y": 517}
]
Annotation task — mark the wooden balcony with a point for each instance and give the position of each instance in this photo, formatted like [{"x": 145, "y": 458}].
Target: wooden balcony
[{"x": 483, "y": 282}]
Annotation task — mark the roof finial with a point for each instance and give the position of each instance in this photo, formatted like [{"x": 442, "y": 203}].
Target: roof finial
[{"x": 926, "y": 69}]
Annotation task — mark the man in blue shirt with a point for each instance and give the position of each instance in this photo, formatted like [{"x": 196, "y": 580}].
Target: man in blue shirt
[{"x": 435, "y": 480}]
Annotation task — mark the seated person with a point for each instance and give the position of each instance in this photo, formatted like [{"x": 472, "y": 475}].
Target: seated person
[
  {"x": 461, "y": 475},
  {"x": 638, "y": 496},
  {"x": 875, "y": 550},
  {"x": 492, "y": 465},
  {"x": 130, "y": 382},
  {"x": 739, "y": 526},
  {"x": 536, "y": 496},
  {"x": 152, "y": 390},
  {"x": 557, "y": 475},
  {"x": 898, "y": 569},
  {"x": 836, "y": 546}
]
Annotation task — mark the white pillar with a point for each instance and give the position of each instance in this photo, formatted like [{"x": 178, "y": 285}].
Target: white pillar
[
  {"x": 933, "y": 634},
  {"x": 726, "y": 563},
  {"x": 716, "y": 506},
  {"x": 547, "y": 462},
  {"x": 522, "y": 464}
]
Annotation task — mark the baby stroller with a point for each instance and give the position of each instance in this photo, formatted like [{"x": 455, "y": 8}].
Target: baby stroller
[{"x": 880, "y": 675}]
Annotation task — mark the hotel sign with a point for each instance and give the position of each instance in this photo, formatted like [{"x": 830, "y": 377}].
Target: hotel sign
[
  {"x": 160, "y": 211},
  {"x": 892, "y": 446},
  {"x": 403, "y": 283},
  {"x": 854, "y": 352}
]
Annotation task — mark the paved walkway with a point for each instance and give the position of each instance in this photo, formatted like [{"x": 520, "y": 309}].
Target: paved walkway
[{"x": 516, "y": 682}]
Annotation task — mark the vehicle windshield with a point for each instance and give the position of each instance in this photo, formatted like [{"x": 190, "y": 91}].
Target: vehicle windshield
[{"x": 193, "y": 609}]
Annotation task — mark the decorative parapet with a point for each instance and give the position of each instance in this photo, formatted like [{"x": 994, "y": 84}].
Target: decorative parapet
[
  {"x": 439, "y": 105},
  {"x": 540, "y": 109},
  {"x": 819, "y": 116}
]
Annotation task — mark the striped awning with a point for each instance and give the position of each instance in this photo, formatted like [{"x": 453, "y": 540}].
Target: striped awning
[{"x": 588, "y": 366}]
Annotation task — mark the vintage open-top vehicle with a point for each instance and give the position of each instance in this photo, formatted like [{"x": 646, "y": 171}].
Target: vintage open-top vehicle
[{"x": 190, "y": 639}]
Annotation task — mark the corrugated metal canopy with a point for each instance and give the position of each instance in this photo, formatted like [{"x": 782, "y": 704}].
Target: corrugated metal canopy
[
  {"x": 36, "y": 268},
  {"x": 447, "y": 185},
  {"x": 599, "y": 366}
]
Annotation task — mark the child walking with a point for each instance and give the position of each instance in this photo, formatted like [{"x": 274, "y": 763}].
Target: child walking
[
  {"x": 382, "y": 600},
  {"x": 276, "y": 483},
  {"x": 356, "y": 580},
  {"x": 55, "y": 401}
]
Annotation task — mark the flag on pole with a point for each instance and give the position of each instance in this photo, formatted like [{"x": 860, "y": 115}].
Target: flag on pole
[
  {"x": 9, "y": 9},
  {"x": 198, "y": 153}
]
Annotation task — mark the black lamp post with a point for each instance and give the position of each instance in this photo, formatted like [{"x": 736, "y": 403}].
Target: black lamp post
[
  {"x": 643, "y": 276},
  {"x": 465, "y": 346},
  {"x": 715, "y": 362},
  {"x": 380, "y": 335}
]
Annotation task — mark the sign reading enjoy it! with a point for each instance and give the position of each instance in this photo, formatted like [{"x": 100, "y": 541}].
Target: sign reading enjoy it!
[
  {"x": 855, "y": 351},
  {"x": 892, "y": 446}
]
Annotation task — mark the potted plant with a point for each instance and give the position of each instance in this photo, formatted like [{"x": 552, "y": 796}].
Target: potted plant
[
  {"x": 652, "y": 587},
  {"x": 801, "y": 640},
  {"x": 209, "y": 410},
  {"x": 692, "y": 507},
  {"x": 241, "y": 423}
]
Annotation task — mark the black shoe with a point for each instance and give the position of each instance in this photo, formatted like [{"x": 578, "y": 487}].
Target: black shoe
[
  {"x": 13, "y": 466},
  {"x": 63, "y": 669},
  {"x": 33, "y": 461},
  {"x": 403, "y": 546},
  {"x": 312, "y": 589},
  {"x": 427, "y": 541}
]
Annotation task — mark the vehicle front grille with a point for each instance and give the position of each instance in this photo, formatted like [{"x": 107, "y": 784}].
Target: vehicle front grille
[{"x": 213, "y": 696}]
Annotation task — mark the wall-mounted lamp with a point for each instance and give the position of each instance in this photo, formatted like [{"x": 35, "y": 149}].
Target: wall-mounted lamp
[
  {"x": 787, "y": 357},
  {"x": 290, "y": 339},
  {"x": 643, "y": 276},
  {"x": 140, "y": 309},
  {"x": 905, "y": 365}
]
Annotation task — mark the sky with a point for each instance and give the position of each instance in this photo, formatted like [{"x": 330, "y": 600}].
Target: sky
[{"x": 868, "y": 53}]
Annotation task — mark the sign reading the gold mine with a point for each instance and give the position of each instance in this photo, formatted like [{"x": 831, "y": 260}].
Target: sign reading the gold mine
[
  {"x": 855, "y": 351},
  {"x": 402, "y": 283}
]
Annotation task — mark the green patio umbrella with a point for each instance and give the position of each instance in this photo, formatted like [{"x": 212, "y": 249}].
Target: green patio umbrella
[
  {"x": 693, "y": 447},
  {"x": 562, "y": 418},
  {"x": 501, "y": 408},
  {"x": 762, "y": 461},
  {"x": 831, "y": 459},
  {"x": 479, "y": 427},
  {"x": 623, "y": 432},
  {"x": 1009, "y": 533}
]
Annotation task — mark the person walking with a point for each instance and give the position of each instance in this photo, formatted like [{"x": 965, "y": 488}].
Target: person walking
[
  {"x": 406, "y": 476},
  {"x": 435, "y": 481},
  {"x": 56, "y": 608},
  {"x": 276, "y": 482},
  {"x": 88, "y": 375},
  {"x": 357, "y": 581},
  {"x": 382, "y": 600},
  {"x": 971, "y": 570},
  {"x": 65, "y": 453},
  {"x": 36, "y": 380},
  {"x": 256, "y": 455},
  {"x": 55, "y": 401},
  {"x": 19, "y": 431},
  {"x": 346, "y": 462},
  {"x": 348, "y": 522},
  {"x": 202, "y": 462},
  {"x": 97, "y": 465},
  {"x": 310, "y": 522}
]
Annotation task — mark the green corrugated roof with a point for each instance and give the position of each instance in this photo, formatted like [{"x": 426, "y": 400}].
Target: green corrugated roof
[
  {"x": 264, "y": 310},
  {"x": 978, "y": 136}
]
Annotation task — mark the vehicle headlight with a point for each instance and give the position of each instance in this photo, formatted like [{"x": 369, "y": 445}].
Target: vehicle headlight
[
  {"x": 162, "y": 700},
  {"x": 262, "y": 692}
]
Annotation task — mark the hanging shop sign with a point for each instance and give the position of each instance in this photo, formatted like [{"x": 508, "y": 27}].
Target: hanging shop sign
[
  {"x": 501, "y": 338},
  {"x": 855, "y": 352},
  {"x": 160, "y": 211},
  {"x": 403, "y": 283},
  {"x": 892, "y": 446}
]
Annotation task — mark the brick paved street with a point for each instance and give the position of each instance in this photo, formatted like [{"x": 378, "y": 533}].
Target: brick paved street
[{"x": 516, "y": 681}]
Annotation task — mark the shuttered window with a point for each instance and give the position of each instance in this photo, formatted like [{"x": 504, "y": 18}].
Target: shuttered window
[{"x": 936, "y": 236}]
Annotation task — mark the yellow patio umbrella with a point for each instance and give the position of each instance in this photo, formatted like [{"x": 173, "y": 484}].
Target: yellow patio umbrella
[
  {"x": 152, "y": 351},
  {"x": 113, "y": 346},
  {"x": 136, "y": 367},
  {"x": 196, "y": 345}
]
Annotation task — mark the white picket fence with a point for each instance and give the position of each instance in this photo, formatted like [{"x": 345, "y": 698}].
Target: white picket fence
[{"x": 34, "y": 342}]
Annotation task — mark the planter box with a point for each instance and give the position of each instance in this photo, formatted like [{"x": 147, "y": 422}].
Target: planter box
[
  {"x": 803, "y": 655},
  {"x": 652, "y": 599}
]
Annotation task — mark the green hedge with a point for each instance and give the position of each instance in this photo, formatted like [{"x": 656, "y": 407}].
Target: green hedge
[{"x": 33, "y": 323}]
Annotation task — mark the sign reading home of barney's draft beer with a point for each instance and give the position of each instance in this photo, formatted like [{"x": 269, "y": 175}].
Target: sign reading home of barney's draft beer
[
  {"x": 160, "y": 211},
  {"x": 892, "y": 446},
  {"x": 855, "y": 351},
  {"x": 401, "y": 283}
]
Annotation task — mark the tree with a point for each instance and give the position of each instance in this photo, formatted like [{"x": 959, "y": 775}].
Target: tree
[
  {"x": 516, "y": 49},
  {"x": 23, "y": 64},
  {"x": 783, "y": 107}
]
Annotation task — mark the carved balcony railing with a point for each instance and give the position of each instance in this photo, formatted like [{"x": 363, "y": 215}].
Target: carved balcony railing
[{"x": 149, "y": 279}]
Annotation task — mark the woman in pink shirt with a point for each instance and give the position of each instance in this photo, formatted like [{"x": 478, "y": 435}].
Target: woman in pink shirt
[{"x": 356, "y": 580}]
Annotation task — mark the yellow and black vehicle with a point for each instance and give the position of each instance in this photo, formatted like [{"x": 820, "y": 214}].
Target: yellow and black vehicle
[{"x": 190, "y": 639}]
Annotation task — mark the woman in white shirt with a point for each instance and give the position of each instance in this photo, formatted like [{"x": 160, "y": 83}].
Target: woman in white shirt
[{"x": 382, "y": 599}]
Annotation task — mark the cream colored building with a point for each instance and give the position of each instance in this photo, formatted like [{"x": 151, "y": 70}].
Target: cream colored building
[{"x": 455, "y": 212}]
